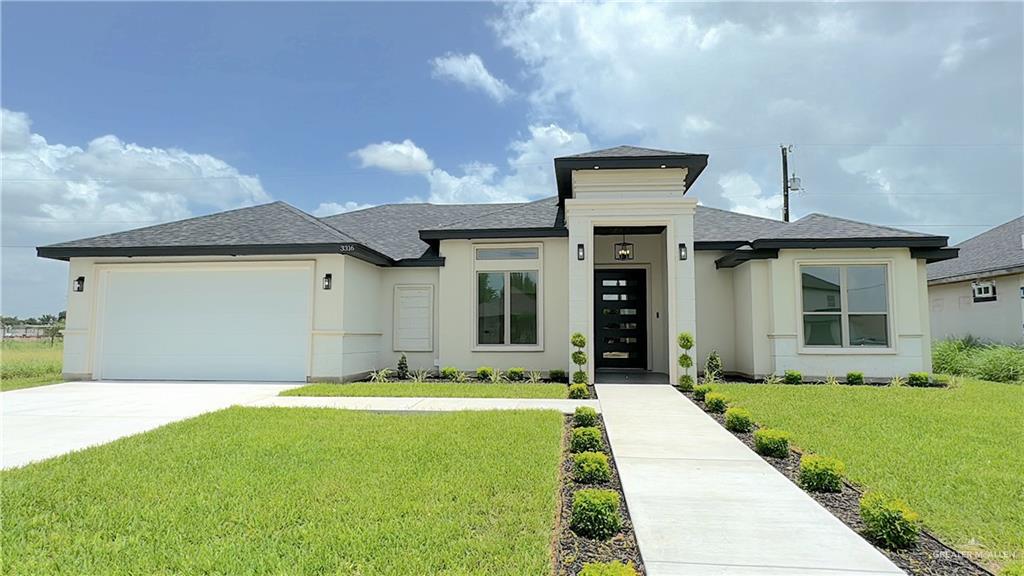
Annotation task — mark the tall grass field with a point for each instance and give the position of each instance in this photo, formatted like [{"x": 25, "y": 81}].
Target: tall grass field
[{"x": 27, "y": 363}]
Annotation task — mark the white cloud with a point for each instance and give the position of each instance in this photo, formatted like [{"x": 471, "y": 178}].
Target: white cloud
[
  {"x": 57, "y": 192},
  {"x": 955, "y": 53},
  {"x": 696, "y": 123},
  {"x": 469, "y": 70},
  {"x": 746, "y": 197},
  {"x": 332, "y": 208},
  {"x": 404, "y": 156},
  {"x": 528, "y": 174}
]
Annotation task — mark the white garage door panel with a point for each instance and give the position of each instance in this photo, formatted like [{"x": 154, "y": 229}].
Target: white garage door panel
[{"x": 205, "y": 324}]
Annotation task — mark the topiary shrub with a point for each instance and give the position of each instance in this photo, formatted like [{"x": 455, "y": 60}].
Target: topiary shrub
[
  {"x": 821, "y": 473},
  {"x": 484, "y": 373},
  {"x": 919, "y": 379},
  {"x": 739, "y": 419},
  {"x": 771, "y": 442},
  {"x": 595, "y": 513},
  {"x": 793, "y": 377},
  {"x": 855, "y": 378},
  {"x": 450, "y": 373},
  {"x": 607, "y": 569},
  {"x": 578, "y": 340},
  {"x": 585, "y": 416},
  {"x": 715, "y": 402},
  {"x": 516, "y": 374},
  {"x": 713, "y": 365},
  {"x": 685, "y": 341},
  {"x": 579, "y": 377},
  {"x": 685, "y": 383},
  {"x": 578, "y": 391},
  {"x": 586, "y": 439},
  {"x": 402, "y": 370},
  {"x": 591, "y": 468},
  {"x": 888, "y": 521},
  {"x": 700, "y": 392},
  {"x": 557, "y": 375},
  {"x": 579, "y": 357}
]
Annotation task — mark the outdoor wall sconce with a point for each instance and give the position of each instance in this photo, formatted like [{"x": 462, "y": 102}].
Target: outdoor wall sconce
[
  {"x": 327, "y": 281},
  {"x": 580, "y": 255},
  {"x": 682, "y": 250},
  {"x": 623, "y": 250},
  {"x": 79, "y": 285}
]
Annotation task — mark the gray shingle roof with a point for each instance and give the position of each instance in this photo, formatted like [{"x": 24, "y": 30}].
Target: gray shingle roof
[
  {"x": 1001, "y": 248},
  {"x": 716, "y": 225},
  {"x": 266, "y": 224},
  {"x": 820, "y": 227},
  {"x": 538, "y": 214},
  {"x": 627, "y": 152}
]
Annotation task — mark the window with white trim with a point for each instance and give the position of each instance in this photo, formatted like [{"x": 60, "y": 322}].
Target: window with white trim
[
  {"x": 984, "y": 291},
  {"x": 845, "y": 306},
  {"x": 507, "y": 296}
]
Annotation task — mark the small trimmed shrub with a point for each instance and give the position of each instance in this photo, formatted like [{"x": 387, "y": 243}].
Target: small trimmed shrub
[
  {"x": 821, "y": 473},
  {"x": 700, "y": 392},
  {"x": 685, "y": 382},
  {"x": 557, "y": 375},
  {"x": 586, "y": 439},
  {"x": 919, "y": 379},
  {"x": 888, "y": 521},
  {"x": 578, "y": 391},
  {"x": 595, "y": 513},
  {"x": 402, "y": 370},
  {"x": 793, "y": 377},
  {"x": 739, "y": 419},
  {"x": 715, "y": 402},
  {"x": 450, "y": 373},
  {"x": 484, "y": 373},
  {"x": 771, "y": 442},
  {"x": 578, "y": 340},
  {"x": 607, "y": 569},
  {"x": 579, "y": 357},
  {"x": 516, "y": 374},
  {"x": 585, "y": 416},
  {"x": 591, "y": 468},
  {"x": 685, "y": 361},
  {"x": 855, "y": 378},
  {"x": 685, "y": 340},
  {"x": 713, "y": 365},
  {"x": 579, "y": 377}
]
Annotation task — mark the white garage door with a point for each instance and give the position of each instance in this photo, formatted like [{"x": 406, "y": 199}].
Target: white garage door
[{"x": 235, "y": 322}]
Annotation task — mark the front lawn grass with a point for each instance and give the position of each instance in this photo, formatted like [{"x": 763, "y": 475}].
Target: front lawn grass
[
  {"x": 296, "y": 491},
  {"x": 954, "y": 454},
  {"x": 28, "y": 363},
  {"x": 433, "y": 390}
]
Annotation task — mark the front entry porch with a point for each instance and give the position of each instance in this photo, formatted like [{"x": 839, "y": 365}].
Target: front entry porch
[{"x": 627, "y": 376}]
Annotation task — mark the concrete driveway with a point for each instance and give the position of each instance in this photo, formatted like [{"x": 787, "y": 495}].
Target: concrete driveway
[{"x": 47, "y": 421}]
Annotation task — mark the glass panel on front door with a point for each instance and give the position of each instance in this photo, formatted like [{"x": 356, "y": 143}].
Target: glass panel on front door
[{"x": 620, "y": 318}]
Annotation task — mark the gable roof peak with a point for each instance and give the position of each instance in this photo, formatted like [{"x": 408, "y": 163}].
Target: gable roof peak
[{"x": 627, "y": 151}]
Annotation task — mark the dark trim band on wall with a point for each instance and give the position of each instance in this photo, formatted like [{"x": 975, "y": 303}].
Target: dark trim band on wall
[
  {"x": 890, "y": 242},
  {"x": 934, "y": 254},
  {"x": 734, "y": 259}
]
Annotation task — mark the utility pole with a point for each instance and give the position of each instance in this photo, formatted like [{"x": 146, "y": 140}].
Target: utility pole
[{"x": 785, "y": 181}]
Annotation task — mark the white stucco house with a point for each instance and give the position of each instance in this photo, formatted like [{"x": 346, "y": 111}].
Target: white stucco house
[
  {"x": 621, "y": 252},
  {"x": 981, "y": 293}
]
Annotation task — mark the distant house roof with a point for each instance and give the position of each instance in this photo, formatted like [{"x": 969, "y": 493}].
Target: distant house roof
[{"x": 998, "y": 251}]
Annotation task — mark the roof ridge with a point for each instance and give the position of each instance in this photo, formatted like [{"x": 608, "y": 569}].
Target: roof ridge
[
  {"x": 766, "y": 219},
  {"x": 504, "y": 207},
  {"x": 316, "y": 221},
  {"x": 991, "y": 230},
  {"x": 867, "y": 224}
]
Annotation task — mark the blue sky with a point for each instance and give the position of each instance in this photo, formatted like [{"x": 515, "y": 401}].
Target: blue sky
[{"x": 124, "y": 114}]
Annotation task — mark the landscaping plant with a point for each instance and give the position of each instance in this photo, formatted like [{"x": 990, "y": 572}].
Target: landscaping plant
[
  {"x": 382, "y": 375},
  {"x": 607, "y": 569},
  {"x": 595, "y": 513},
  {"x": 793, "y": 377},
  {"x": 420, "y": 376},
  {"x": 579, "y": 357},
  {"x": 497, "y": 377},
  {"x": 557, "y": 375},
  {"x": 450, "y": 373},
  {"x": 402, "y": 370},
  {"x": 771, "y": 442},
  {"x": 484, "y": 373},
  {"x": 821, "y": 473},
  {"x": 715, "y": 402},
  {"x": 772, "y": 380},
  {"x": 854, "y": 378},
  {"x": 584, "y": 417},
  {"x": 534, "y": 377},
  {"x": 591, "y": 468},
  {"x": 897, "y": 381},
  {"x": 739, "y": 419},
  {"x": 579, "y": 391},
  {"x": 919, "y": 379},
  {"x": 888, "y": 521},
  {"x": 516, "y": 374},
  {"x": 831, "y": 380},
  {"x": 713, "y": 365},
  {"x": 685, "y": 341},
  {"x": 586, "y": 439},
  {"x": 700, "y": 392}
]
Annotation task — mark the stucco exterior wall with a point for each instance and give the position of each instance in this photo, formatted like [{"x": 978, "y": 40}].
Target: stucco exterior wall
[
  {"x": 361, "y": 319},
  {"x": 954, "y": 313},
  {"x": 716, "y": 311},
  {"x": 391, "y": 277},
  {"x": 457, "y": 304}
]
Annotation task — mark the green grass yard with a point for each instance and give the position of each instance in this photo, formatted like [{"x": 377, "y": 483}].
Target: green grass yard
[
  {"x": 433, "y": 390},
  {"x": 28, "y": 363},
  {"x": 956, "y": 455},
  {"x": 292, "y": 490}
]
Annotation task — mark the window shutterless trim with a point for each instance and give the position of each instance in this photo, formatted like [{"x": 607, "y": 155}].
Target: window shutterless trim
[{"x": 844, "y": 310}]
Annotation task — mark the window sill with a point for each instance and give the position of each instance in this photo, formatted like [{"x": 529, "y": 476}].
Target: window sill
[
  {"x": 508, "y": 348},
  {"x": 840, "y": 351}
]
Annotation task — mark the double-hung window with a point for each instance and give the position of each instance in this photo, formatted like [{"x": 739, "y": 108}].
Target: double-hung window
[
  {"x": 845, "y": 306},
  {"x": 508, "y": 296}
]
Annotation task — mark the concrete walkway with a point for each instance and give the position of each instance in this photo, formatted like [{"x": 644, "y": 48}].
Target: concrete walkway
[
  {"x": 702, "y": 503},
  {"x": 385, "y": 404}
]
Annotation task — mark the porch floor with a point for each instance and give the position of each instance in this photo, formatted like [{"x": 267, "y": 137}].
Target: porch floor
[{"x": 613, "y": 376}]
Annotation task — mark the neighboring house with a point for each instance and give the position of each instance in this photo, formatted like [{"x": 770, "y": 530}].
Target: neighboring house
[
  {"x": 981, "y": 293},
  {"x": 621, "y": 254},
  {"x": 26, "y": 330}
]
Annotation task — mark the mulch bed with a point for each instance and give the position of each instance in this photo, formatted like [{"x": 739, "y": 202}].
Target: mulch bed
[
  {"x": 573, "y": 551},
  {"x": 929, "y": 557}
]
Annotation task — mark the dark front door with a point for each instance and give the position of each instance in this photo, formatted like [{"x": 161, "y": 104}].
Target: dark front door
[{"x": 620, "y": 317}]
